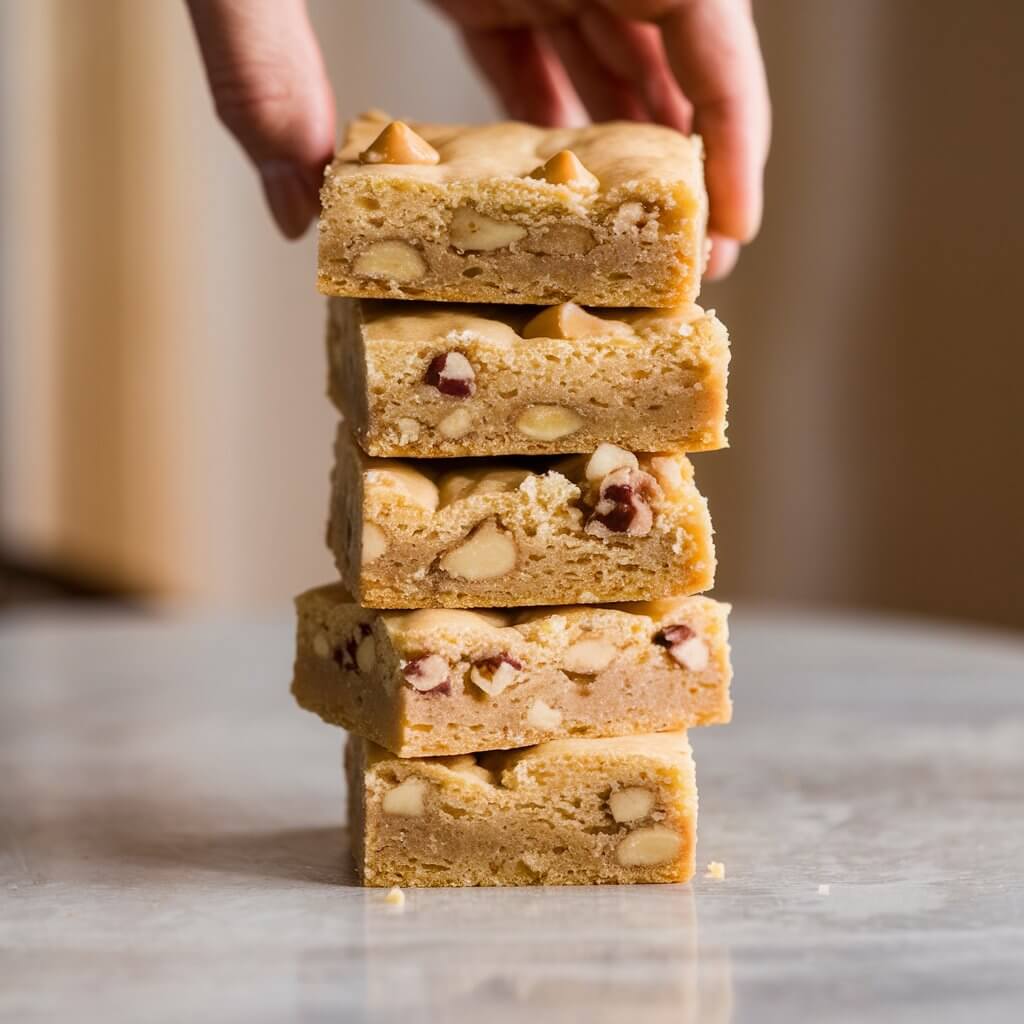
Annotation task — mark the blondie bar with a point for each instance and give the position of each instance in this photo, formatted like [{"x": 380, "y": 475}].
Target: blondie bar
[
  {"x": 429, "y": 380},
  {"x": 443, "y": 681},
  {"x": 607, "y": 215},
  {"x": 492, "y": 533},
  {"x": 566, "y": 812}
]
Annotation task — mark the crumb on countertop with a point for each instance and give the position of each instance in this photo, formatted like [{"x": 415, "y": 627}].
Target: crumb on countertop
[
  {"x": 716, "y": 870},
  {"x": 824, "y": 889},
  {"x": 395, "y": 897}
]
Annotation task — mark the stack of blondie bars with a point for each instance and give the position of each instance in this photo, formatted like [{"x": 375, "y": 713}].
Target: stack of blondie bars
[{"x": 513, "y": 646}]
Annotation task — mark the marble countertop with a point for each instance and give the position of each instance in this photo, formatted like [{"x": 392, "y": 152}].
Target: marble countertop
[{"x": 171, "y": 846}]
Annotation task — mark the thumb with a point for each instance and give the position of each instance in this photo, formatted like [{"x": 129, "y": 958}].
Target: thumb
[{"x": 271, "y": 92}]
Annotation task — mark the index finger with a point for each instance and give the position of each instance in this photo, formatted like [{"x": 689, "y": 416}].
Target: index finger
[{"x": 713, "y": 49}]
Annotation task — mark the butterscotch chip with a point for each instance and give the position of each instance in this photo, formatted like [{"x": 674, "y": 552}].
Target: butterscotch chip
[
  {"x": 399, "y": 144},
  {"x": 605, "y": 215},
  {"x": 432, "y": 380},
  {"x": 449, "y": 682},
  {"x": 534, "y": 816},
  {"x": 507, "y": 535}
]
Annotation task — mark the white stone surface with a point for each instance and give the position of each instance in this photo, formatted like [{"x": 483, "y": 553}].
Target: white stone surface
[{"x": 171, "y": 846}]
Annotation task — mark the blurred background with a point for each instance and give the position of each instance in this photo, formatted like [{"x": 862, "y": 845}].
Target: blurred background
[{"x": 162, "y": 426}]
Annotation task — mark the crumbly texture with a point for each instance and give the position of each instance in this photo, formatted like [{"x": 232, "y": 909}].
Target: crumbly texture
[
  {"x": 475, "y": 227},
  {"x": 461, "y": 534},
  {"x": 442, "y": 681},
  {"x": 648, "y": 380},
  {"x": 567, "y": 812}
]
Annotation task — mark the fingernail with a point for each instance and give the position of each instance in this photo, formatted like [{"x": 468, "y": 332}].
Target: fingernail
[
  {"x": 290, "y": 196},
  {"x": 724, "y": 254}
]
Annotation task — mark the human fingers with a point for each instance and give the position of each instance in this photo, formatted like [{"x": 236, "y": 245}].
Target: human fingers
[{"x": 271, "y": 91}]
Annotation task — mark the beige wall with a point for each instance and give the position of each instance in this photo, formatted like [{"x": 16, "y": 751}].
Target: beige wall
[{"x": 162, "y": 371}]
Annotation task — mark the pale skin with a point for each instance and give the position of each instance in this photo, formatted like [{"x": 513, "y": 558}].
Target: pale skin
[{"x": 694, "y": 65}]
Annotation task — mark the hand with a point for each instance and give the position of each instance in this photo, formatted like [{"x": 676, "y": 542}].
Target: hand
[{"x": 691, "y": 64}]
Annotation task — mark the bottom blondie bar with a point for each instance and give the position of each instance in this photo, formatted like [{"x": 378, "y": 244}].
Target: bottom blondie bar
[{"x": 565, "y": 812}]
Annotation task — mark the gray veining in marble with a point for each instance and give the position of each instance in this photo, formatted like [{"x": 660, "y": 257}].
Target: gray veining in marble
[{"x": 171, "y": 846}]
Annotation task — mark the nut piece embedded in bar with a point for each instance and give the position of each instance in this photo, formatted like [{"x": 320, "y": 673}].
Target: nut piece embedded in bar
[
  {"x": 606, "y": 459},
  {"x": 624, "y": 504},
  {"x": 399, "y": 144},
  {"x": 406, "y": 799},
  {"x": 488, "y": 552},
  {"x": 428, "y": 673},
  {"x": 496, "y": 674},
  {"x": 684, "y": 646},
  {"x": 452, "y": 374},
  {"x": 392, "y": 259},
  {"x": 631, "y": 804},
  {"x": 588, "y": 656},
  {"x": 570, "y": 322},
  {"x": 565, "y": 168},
  {"x": 375, "y": 542},
  {"x": 474, "y": 232},
  {"x": 648, "y": 846},
  {"x": 548, "y": 422}
]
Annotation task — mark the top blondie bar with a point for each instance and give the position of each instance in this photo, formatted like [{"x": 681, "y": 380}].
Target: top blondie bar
[{"x": 607, "y": 215}]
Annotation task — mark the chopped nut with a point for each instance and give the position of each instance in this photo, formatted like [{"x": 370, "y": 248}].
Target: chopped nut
[
  {"x": 589, "y": 656},
  {"x": 452, "y": 374},
  {"x": 458, "y": 423},
  {"x": 406, "y": 799},
  {"x": 624, "y": 504},
  {"x": 366, "y": 655},
  {"x": 565, "y": 168},
  {"x": 542, "y": 716},
  {"x": 322, "y": 645},
  {"x": 547, "y": 422},
  {"x": 474, "y": 232},
  {"x": 392, "y": 259},
  {"x": 570, "y": 322},
  {"x": 606, "y": 459},
  {"x": 408, "y": 430},
  {"x": 456, "y": 486},
  {"x": 375, "y": 542},
  {"x": 395, "y": 897},
  {"x": 646, "y": 847},
  {"x": 495, "y": 674},
  {"x": 684, "y": 646},
  {"x": 428, "y": 673},
  {"x": 631, "y": 804},
  {"x": 465, "y": 764},
  {"x": 412, "y": 484},
  {"x": 487, "y": 553},
  {"x": 716, "y": 870},
  {"x": 399, "y": 144}
]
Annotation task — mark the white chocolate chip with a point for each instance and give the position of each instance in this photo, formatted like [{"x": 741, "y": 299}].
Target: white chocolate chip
[
  {"x": 458, "y": 423},
  {"x": 542, "y": 716},
  {"x": 631, "y": 804},
  {"x": 475, "y": 232},
  {"x": 418, "y": 488},
  {"x": 406, "y": 799},
  {"x": 488, "y": 552},
  {"x": 366, "y": 654},
  {"x": 606, "y": 459},
  {"x": 547, "y": 422},
  {"x": 322, "y": 645},
  {"x": 646, "y": 847},
  {"x": 375, "y": 542},
  {"x": 392, "y": 259}
]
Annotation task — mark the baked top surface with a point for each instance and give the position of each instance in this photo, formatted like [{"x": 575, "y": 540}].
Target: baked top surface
[
  {"x": 411, "y": 322},
  {"x": 423, "y": 620},
  {"x": 618, "y": 153}
]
